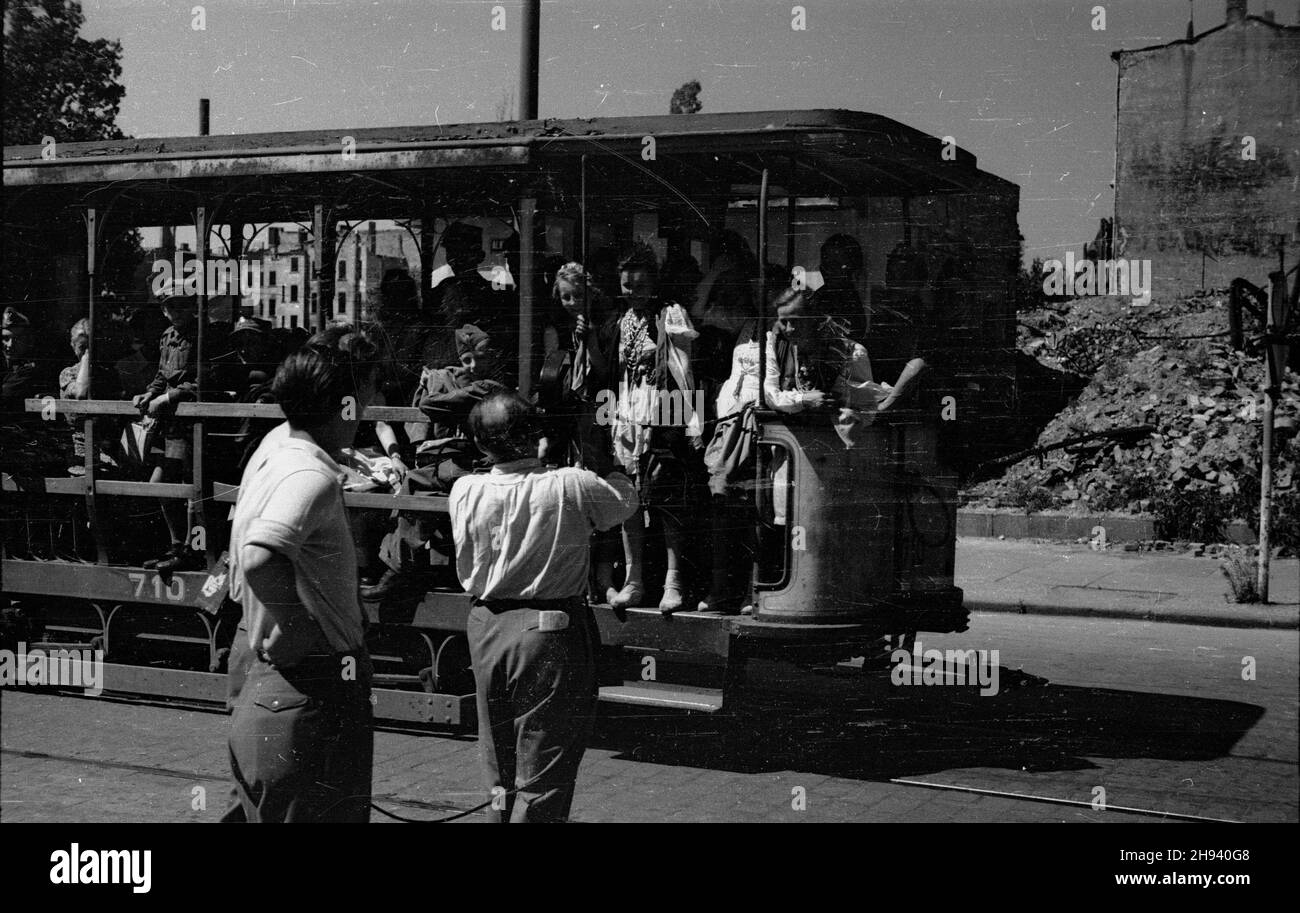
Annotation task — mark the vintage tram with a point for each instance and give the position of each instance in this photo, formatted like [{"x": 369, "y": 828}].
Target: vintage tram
[{"x": 868, "y": 546}]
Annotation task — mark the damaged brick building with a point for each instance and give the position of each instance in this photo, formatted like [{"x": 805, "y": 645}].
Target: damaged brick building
[{"x": 1207, "y": 165}]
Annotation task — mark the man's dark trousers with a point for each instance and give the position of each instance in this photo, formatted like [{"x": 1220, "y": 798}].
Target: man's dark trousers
[
  {"x": 301, "y": 742},
  {"x": 537, "y": 692}
]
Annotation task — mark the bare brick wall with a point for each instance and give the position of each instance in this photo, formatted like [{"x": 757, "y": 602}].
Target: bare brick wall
[{"x": 1182, "y": 188}]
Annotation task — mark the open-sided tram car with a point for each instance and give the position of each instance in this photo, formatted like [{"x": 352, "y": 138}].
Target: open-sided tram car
[{"x": 870, "y": 536}]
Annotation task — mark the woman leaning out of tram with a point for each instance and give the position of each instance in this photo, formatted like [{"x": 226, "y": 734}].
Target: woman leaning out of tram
[{"x": 811, "y": 365}]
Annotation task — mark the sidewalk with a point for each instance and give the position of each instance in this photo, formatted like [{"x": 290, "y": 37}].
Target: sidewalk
[{"x": 1046, "y": 578}]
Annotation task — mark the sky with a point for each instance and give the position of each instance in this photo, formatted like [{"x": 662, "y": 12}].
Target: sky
[{"x": 1027, "y": 86}]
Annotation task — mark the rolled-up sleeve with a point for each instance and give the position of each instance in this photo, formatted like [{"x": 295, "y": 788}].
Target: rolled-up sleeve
[
  {"x": 609, "y": 501},
  {"x": 291, "y": 513}
]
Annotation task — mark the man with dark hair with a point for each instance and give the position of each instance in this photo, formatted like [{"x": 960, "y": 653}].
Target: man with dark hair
[
  {"x": 301, "y": 746},
  {"x": 522, "y": 536}
]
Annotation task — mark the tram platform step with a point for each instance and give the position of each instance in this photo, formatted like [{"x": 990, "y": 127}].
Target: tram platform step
[{"x": 664, "y": 694}]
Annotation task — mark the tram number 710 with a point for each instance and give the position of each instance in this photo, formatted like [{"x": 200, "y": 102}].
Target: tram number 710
[{"x": 174, "y": 589}]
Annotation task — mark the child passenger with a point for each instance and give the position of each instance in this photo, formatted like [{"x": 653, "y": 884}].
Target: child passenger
[
  {"x": 176, "y": 381},
  {"x": 643, "y": 358}
]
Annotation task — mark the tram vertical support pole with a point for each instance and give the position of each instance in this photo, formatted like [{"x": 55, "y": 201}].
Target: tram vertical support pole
[
  {"x": 88, "y": 422},
  {"x": 582, "y": 214},
  {"x": 582, "y": 245},
  {"x": 196, "y": 514},
  {"x": 427, "y": 220},
  {"x": 328, "y": 272},
  {"x": 317, "y": 287},
  {"x": 762, "y": 288},
  {"x": 525, "y": 281},
  {"x": 236, "y": 253},
  {"x": 791, "y": 212}
]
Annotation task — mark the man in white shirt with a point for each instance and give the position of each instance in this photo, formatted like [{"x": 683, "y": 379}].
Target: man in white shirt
[
  {"x": 522, "y": 535},
  {"x": 301, "y": 745}
]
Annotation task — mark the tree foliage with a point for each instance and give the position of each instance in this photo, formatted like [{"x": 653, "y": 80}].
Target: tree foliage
[
  {"x": 686, "y": 100},
  {"x": 61, "y": 85},
  {"x": 56, "y": 82}
]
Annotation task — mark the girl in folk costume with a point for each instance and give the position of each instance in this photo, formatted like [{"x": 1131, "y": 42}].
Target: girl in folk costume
[
  {"x": 580, "y": 310},
  {"x": 643, "y": 359},
  {"x": 816, "y": 363}
]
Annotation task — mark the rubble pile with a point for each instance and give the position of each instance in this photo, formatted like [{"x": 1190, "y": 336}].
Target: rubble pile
[{"x": 1199, "y": 468}]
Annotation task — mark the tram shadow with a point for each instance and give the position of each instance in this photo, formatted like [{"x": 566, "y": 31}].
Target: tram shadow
[{"x": 870, "y": 730}]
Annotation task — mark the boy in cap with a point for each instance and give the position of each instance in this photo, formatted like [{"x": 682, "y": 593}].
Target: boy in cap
[
  {"x": 446, "y": 396},
  {"x": 245, "y": 374}
]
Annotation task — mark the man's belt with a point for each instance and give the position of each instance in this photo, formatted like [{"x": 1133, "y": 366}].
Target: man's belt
[{"x": 541, "y": 605}]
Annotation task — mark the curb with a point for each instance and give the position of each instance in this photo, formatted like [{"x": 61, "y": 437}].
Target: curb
[
  {"x": 992, "y": 524},
  {"x": 1285, "y": 617}
]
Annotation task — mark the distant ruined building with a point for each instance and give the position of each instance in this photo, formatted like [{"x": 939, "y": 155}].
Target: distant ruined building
[{"x": 1207, "y": 165}]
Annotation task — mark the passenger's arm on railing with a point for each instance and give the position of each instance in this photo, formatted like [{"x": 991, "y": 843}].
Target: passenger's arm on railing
[
  {"x": 786, "y": 400},
  {"x": 388, "y": 439},
  {"x": 911, "y": 371},
  {"x": 80, "y": 386}
]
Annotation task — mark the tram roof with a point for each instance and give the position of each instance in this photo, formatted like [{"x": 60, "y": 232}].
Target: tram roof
[{"x": 840, "y": 143}]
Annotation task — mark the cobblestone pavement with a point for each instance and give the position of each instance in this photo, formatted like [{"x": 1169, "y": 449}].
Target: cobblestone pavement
[{"x": 1156, "y": 715}]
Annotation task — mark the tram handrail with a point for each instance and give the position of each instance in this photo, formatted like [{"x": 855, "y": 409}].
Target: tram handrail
[{"x": 94, "y": 407}]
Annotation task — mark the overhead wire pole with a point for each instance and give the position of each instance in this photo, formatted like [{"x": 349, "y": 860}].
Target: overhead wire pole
[
  {"x": 528, "y": 57},
  {"x": 528, "y": 66},
  {"x": 1274, "y": 371}
]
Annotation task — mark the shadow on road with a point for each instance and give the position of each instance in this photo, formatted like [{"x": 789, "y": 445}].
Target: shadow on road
[{"x": 877, "y": 731}]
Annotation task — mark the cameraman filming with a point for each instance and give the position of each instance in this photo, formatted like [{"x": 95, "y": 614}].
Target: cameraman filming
[{"x": 522, "y": 535}]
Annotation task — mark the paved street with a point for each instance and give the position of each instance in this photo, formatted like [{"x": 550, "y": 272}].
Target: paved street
[{"x": 1155, "y": 714}]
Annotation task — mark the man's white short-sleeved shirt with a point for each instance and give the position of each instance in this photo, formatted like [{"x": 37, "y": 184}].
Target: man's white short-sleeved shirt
[
  {"x": 291, "y": 502},
  {"x": 524, "y": 532}
]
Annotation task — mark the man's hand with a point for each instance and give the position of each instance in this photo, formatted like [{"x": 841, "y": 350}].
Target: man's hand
[
  {"x": 160, "y": 404},
  {"x": 814, "y": 399},
  {"x": 399, "y": 467},
  {"x": 141, "y": 402}
]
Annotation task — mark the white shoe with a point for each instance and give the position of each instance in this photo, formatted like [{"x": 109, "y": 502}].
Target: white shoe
[
  {"x": 632, "y": 594},
  {"x": 672, "y": 600}
]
